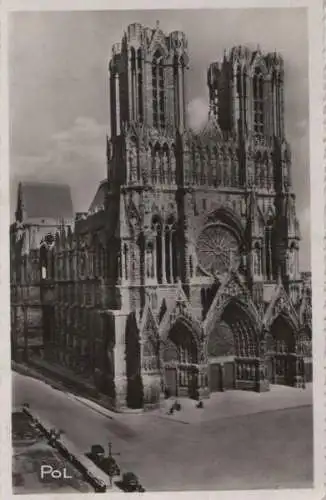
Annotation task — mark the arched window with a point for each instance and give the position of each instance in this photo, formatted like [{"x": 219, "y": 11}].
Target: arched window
[
  {"x": 268, "y": 252},
  {"x": 258, "y": 94},
  {"x": 133, "y": 82},
  {"x": 158, "y": 91},
  {"x": 170, "y": 242},
  {"x": 140, "y": 85},
  {"x": 167, "y": 248},
  {"x": 157, "y": 228},
  {"x": 125, "y": 261}
]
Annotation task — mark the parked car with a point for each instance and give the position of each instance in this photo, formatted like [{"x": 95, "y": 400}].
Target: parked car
[
  {"x": 130, "y": 483},
  {"x": 106, "y": 463}
]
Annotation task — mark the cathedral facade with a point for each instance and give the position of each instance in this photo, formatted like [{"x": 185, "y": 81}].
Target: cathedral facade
[{"x": 183, "y": 277}]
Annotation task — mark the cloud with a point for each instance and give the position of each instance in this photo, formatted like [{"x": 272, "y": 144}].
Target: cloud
[
  {"x": 197, "y": 112},
  {"x": 76, "y": 157}
]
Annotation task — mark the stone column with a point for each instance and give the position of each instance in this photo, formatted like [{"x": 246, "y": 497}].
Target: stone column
[
  {"x": 171, "y": 256},
  {"x": 120, "y": 376},
  {"x": 203, "y": 389},
  {"x": 155, "y": 258},
  {"x": 163, "y": 255}
]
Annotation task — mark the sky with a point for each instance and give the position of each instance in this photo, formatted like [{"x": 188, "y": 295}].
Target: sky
[{"x": 59, "y": 94}]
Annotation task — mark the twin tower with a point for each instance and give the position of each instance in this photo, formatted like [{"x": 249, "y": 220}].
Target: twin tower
[{"x": 148, "y": 71}]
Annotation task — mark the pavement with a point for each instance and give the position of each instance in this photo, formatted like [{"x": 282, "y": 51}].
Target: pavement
[{"x": 239, "y": 440}]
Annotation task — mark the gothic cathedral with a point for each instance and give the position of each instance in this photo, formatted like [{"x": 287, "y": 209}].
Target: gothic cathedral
[{"x": 188, "y": 259}]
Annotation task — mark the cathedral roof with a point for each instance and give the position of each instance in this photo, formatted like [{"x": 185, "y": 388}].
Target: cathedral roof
[
  {"x": 45, "y": 200},
  {"x": 99, "y": 198}
]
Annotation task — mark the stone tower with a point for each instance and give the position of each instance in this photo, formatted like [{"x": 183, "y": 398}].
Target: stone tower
[
  {"x": 246, "y": 91},
  {"x": 147, "y": 83}
]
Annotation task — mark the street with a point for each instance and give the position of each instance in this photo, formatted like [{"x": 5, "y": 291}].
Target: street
[{"x": 265, "y": 449}]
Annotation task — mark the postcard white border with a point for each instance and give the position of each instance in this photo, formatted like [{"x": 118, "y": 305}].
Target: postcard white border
[{"x": 315, "y": 16}]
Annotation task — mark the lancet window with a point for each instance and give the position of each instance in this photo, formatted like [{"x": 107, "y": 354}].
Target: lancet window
[
  {"x": 158, "y": 91},
  {"x": 258, "y": 94},
  {"x": 165, "y": 251},
  {"x": 140, "y": 85},
  {"x": 268, "y": 253},
  {"x": 125, "y": 261}
]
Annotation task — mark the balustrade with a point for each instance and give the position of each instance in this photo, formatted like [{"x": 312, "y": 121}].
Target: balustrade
[{"x": 249, "y": 372}]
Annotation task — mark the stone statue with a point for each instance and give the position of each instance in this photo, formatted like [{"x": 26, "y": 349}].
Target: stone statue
[
  {"x": 156, "y": 166},
  {"x": 133, "y": 165},
  {"x": 165, "y": 168},
  {"x": 173, "y": 168}
]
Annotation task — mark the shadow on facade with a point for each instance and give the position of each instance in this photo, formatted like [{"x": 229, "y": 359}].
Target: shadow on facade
[{"x": 135, "y": 392}]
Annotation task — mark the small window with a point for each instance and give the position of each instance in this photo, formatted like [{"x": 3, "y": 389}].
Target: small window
[{"x": 204, "y": 204}]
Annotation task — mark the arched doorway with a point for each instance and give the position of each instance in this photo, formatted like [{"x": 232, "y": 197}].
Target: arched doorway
[
  {"x": 180, "y": 357},
  {"x": 233, "y": 351},
  {"x": 282, "y": 359}
]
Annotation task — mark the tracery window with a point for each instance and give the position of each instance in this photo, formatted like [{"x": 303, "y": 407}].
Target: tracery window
[
  {"x": 217, "y": 249},
  {"x": 258, "y": 93}
]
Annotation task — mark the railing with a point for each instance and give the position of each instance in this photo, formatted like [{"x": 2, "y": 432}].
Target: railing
[{"x": 249, "y": 373}]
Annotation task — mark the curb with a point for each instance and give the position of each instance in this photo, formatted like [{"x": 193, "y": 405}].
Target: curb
[{"x": 96, "y": 478}]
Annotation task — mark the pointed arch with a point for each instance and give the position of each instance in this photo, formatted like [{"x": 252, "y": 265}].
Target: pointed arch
[
  {"x": 231, "y": 289},
  {"x": 234, "y": 330},
  {"x": 228, "y": 217},
  {"x": 281, "y": 304}
]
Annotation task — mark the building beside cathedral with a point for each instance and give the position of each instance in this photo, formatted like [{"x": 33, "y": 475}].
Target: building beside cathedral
[{"x": 183, "y": 276}]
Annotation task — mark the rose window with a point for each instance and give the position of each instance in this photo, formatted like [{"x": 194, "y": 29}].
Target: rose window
[{"x": 217, "y": 249}]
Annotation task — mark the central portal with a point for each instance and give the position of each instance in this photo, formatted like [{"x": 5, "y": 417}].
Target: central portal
[{"x": 181, "y": 362}]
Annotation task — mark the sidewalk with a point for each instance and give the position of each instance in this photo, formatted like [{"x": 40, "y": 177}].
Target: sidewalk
[
  {"x": 30, "y": 451},
  {"x": 95, "y": 475},
  {"x": 237, "y": 403}
]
